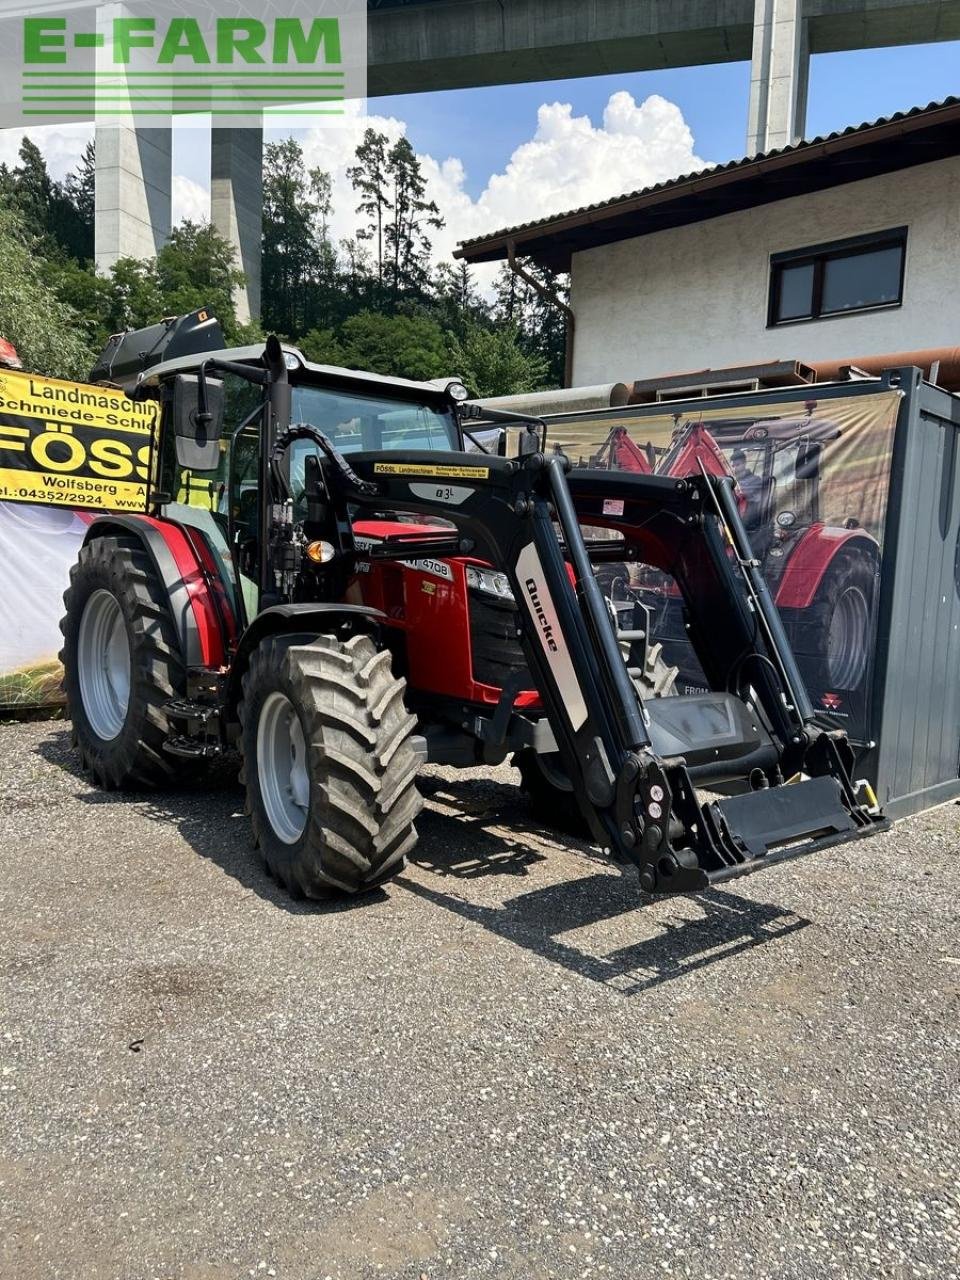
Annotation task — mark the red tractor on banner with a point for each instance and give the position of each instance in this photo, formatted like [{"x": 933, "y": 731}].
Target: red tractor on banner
[{"x": 823, "y": 577}]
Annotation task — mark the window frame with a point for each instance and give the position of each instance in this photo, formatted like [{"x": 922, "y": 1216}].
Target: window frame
[{"x": 818, "y": 256}]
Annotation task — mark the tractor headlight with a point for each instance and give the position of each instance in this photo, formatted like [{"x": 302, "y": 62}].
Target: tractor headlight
[
  {"x": 490, "y": 581},
  {"x": 786, "y": 519},
  {"x": 457, "y": 391},
  {"x": 320, "y": 552}
]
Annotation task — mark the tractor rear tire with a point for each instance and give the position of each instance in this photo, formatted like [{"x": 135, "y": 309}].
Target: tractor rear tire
[
  {"x": 328, "y": 764},
  {"x": 542, "y": 777},
  {"x": 840, "y": 621},
  {"x": 121, "y": 663}
]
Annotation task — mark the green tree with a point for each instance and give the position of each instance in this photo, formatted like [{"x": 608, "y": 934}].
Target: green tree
[
  {"x": 77, "y": 192},
  {"x": 323, "y": 346},
  {"x": 33, "y": 187},
  {"x": 411, "y": 215},
  {"x": 540, "y": 322},
  {"x": 48, "y": 207},
  {"x": 370, "y": 178},
  {"x": 399, "y": 346},
  {"x": 289, "y": 251},
  {"x": 458, "y": 304},
  {"x": 492, "y": 362},
  {"x": 195, "y": 268},
  {"x": 132, "y": 296},
  {"x": 48, "y": 333}
]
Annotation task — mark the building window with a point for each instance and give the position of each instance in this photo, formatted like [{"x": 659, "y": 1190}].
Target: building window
[{"x": 835, "y": 279}]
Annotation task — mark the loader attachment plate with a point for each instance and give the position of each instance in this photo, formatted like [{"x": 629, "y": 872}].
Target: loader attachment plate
[{"x": 783, "y": 822}]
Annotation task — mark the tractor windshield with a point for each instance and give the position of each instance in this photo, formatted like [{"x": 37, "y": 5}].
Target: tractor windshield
[{"x": 355, "y": 422}]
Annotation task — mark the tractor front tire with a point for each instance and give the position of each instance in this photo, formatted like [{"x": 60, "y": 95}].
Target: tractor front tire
[
  {"x": 121, "y": 662},
  {"x": 328, "y": 763}
]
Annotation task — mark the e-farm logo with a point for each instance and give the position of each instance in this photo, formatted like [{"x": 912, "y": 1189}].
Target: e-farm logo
[{"x": 145, "y": 65}]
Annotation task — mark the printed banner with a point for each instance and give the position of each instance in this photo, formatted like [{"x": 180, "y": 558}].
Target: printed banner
[
  {"x": 37, "y": 547},
  {"x": 68, "y": 444},
  {"x": 812, "y": 480}
]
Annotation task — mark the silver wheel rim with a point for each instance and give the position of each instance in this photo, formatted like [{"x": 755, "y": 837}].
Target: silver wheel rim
[
  {"x": 103, "y": 661},
  {"x": 847, "y": 639},
  {"x": 282, "y": 768}
]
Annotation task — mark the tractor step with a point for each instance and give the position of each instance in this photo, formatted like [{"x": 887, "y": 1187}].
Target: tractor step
[
  {"x": 191, "y": 749},
  {"x": 185, "y": 709}
]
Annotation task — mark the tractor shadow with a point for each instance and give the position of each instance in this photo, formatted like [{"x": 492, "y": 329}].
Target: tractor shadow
[
  {"x": 478, "y": 834},
  {"x": 488, "y": 831},
  {"x": 207, "y": 813}
]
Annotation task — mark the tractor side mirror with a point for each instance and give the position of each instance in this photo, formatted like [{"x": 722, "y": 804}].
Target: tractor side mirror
[
  {"x": 807, "y": 466},
  {"x": 197, "y": 433}
]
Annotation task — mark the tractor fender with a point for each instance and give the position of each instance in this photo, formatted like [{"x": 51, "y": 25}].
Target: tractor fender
[
  {"x": 188, "y": 593},
  {"x": 280, "y": 618},
  {"x": 812, "y": 557}
]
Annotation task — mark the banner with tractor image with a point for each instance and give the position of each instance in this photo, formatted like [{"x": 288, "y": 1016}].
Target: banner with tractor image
[
  {"x": 812, "y": 480},
  {"x": 66, "y": 449}
]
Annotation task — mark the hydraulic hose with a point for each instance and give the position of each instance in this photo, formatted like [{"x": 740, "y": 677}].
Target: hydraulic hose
[{"x": 304, "y": 431}]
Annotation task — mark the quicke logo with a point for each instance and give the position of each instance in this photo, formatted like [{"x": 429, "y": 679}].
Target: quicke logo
[{"x": 545, "y": 625}]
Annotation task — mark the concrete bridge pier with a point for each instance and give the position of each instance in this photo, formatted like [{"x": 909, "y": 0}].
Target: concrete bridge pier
[
  {"x": 236, "y": 206},
  {"x": 133, "y": 198},
  {"x": 132, "y": 202},
  {"x": 779, "y": 74}
]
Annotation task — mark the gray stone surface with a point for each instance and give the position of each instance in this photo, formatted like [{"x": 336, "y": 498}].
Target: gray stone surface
[{"x": 508, "y": 1064}]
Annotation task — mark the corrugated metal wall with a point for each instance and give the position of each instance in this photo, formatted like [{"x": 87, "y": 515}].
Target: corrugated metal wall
[{"x": 918, "y": 702}]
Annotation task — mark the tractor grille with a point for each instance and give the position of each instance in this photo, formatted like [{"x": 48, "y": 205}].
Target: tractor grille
[{"x": 493, "y": 640}]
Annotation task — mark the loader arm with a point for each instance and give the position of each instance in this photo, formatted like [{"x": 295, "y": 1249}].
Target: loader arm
[{"x": 639, "y": 798}]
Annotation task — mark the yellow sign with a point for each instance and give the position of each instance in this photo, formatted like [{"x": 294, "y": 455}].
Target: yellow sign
[
  {"x": 422, "y": 469},
  {"x": 69, "y": 444}
]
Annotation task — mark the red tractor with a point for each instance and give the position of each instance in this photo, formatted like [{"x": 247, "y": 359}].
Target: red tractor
[
  {"x": 331, "y": 579},
  {"x": 823, "y": 577}
]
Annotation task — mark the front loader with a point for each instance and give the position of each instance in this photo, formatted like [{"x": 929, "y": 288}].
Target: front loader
[{"x": 333, "y": 579}]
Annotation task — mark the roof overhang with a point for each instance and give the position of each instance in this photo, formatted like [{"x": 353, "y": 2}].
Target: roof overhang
[{"x": 900, "y": 142}]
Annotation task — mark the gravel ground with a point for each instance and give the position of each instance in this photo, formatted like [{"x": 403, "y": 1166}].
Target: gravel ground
[{"x": 509, "y": 1064}]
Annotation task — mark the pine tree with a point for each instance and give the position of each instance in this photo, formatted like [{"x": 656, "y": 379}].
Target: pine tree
[
  {"x": 458, "y": 302},
  {"x": 370, "y": 177},
  {"x": 290, "y": 243},
  {"x": 406, "y": 234},
  {"x": 32, "y": 188},
  {"x": 78, "y": 197}
]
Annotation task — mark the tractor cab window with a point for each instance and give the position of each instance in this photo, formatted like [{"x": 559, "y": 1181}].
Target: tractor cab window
[
  {"x": 366, "y": 423},
  {"x": 200, "y": 499}
]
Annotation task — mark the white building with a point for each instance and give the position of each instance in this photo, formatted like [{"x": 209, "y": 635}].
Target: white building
[{"x": 832, "y": 249}]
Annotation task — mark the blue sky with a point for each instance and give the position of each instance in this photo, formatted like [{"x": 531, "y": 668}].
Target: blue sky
[{"x": 845, "y": 88}]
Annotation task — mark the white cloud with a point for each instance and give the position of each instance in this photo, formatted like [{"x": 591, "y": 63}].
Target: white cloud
[
  {"x": 568, "y": 162},
  {"x": 190, "y": 200}
]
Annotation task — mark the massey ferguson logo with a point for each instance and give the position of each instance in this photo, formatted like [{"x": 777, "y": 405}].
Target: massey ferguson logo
[
  {"x": 545, "y": 626},
  {"x": 832, "y": 701}
]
